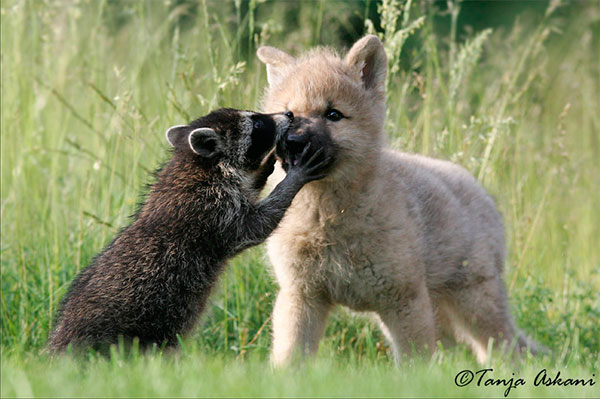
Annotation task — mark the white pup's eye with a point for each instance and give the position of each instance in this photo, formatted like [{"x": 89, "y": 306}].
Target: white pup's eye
[{"x": 333, "y": 115}]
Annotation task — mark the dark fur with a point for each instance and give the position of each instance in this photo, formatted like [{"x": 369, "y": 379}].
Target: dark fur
[
  {"x": 304, "y": 131},
  {"x": 153, "y": 280}
]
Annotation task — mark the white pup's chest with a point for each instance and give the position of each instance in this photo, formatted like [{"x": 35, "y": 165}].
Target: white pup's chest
[{"x": 341, "y": 264}]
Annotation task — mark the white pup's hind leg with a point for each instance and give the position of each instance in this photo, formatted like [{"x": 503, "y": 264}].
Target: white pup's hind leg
[{"x": 480, "y": 313}]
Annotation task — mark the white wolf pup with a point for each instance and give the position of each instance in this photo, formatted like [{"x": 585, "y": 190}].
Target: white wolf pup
[{"x": 415, "y": 240}]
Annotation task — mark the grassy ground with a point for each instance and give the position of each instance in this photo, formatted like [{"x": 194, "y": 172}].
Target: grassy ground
[{"x": 88, "y": 89}]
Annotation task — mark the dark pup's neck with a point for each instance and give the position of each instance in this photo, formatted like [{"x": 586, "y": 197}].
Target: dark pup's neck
[
  {"x": 181, "y": 191},
  {"x": 187, "y": 205}
]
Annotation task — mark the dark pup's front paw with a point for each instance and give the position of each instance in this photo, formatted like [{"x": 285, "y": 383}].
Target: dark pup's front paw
[{"x": 310, "y": 164}]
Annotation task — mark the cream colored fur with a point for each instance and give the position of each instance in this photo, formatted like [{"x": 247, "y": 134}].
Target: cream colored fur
[{"x": 415, "y": 240}]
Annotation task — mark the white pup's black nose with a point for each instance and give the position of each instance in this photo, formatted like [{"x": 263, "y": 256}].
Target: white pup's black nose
[{"x": 289, "y": 114}]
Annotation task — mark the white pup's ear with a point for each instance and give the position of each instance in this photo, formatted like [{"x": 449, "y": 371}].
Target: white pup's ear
[
  {"x": 276, "y": 61},
  {"x": 367, "y": 55},
  {"x": 174, "y": 133},
  {"x": 204, "y": 142}
]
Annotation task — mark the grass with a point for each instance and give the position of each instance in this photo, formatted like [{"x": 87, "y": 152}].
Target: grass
[
  {"x": 88, "y": 89},
  {"x": 188, "y": 374}
]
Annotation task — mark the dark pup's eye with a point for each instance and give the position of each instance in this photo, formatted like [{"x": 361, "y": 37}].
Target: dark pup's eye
[
  {"x": 258, "y": 124},
  {"x": 333, "y": 115}
]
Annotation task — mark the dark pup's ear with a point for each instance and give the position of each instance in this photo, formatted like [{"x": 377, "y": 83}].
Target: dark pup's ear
[
  {"x": 367, "y": 55},
  {"x": 176, "y": 134},
  {"x": 204, "y": 142}
]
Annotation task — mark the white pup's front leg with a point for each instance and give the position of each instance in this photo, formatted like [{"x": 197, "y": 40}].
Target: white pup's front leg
[
  {"x": 410, "y": 324},
  {"x": 298, "y": 323}
]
